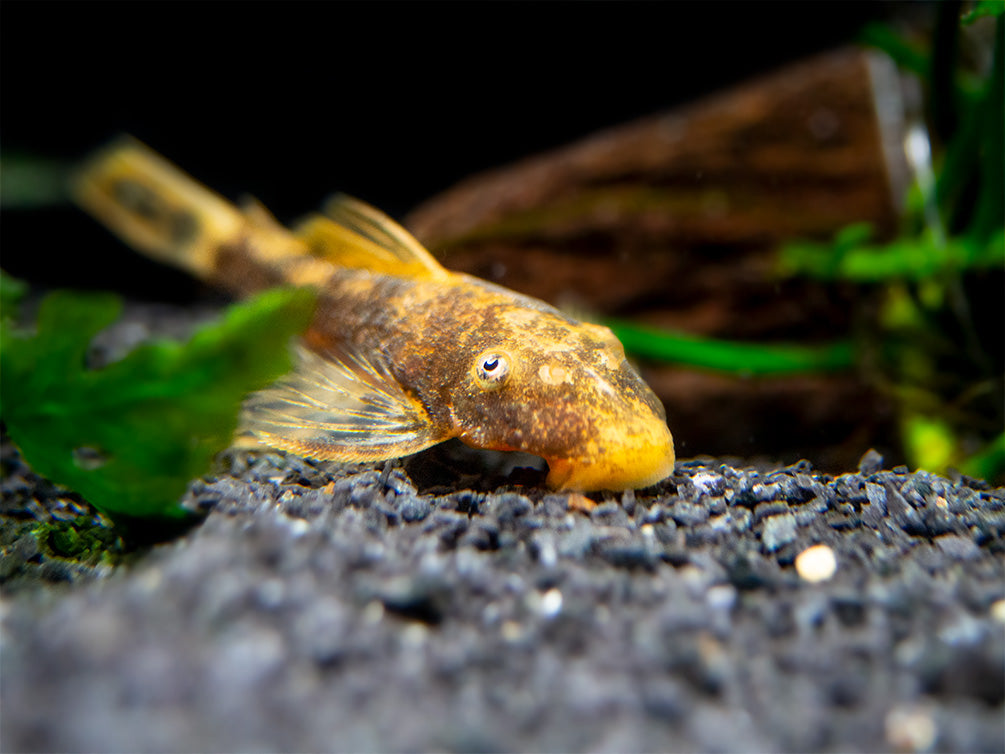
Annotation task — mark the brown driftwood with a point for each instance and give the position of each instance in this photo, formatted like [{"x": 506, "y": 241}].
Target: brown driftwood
[{"x": 675, "y": 220}]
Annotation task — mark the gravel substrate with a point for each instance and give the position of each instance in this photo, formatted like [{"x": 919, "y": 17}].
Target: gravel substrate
[{"x": 320, "y": 608}]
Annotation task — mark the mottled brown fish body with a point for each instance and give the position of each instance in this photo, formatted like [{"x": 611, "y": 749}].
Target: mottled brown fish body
[
  {"x": 429, "y": 332},
  {"x": 402, "y": 354}
]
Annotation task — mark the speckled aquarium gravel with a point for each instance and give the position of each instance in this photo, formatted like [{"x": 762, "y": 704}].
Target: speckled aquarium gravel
[{"x": 321, "y": 608}]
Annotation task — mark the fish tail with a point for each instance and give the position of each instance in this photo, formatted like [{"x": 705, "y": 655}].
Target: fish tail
[{"x": 156, "y": 208}]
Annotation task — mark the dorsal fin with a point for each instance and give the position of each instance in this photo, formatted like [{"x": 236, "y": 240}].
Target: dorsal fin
[{"x": 354, "y": 234}]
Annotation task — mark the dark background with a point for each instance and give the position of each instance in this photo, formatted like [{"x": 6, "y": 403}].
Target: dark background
[{"x": 389, "y": 102}]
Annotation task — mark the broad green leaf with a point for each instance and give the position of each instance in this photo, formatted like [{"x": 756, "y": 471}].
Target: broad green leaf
[{"x": 131, "y": 435}]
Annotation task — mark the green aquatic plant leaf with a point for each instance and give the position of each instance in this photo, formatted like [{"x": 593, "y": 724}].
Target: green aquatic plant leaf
[
  {"x": 31, "y": 182},
  {"x": 930, "y": 442},
  {"x": 902, "y": 259},
  {"x": 754, "y": 359},
  {"x": 989, "y": 212},
  {"x": 933, "y": 349},
  {"x": 914, "y": 57},
  {"x": 12, "y": 291},
  {"x": 983, "y": 8},
  {"x": 130, "y": 436},
  {"x": 989, "y": 463}
]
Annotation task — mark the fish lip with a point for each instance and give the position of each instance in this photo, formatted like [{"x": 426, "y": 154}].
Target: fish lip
[
  {"x": 632, "y": 466},
  {"x": 571, "y": 478}
]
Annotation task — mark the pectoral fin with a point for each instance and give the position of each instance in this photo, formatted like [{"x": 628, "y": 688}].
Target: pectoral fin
[{"x": 341, "y": 408}]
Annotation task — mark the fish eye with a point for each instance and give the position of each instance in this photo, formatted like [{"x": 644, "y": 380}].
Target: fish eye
[{"x": 491, "y": 369}]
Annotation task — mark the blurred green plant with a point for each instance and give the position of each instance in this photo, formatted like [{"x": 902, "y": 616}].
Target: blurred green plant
[
  {"x": 927, "y": 348},
  {"x": 130, "y": 436},
  {"x": 746, "y": 359},
  {"x": 32, "y": 182},
  {"x": 941, "y": 363}
]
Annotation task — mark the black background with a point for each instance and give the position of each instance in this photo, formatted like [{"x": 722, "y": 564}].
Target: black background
[{"x": 389, "y": 102}]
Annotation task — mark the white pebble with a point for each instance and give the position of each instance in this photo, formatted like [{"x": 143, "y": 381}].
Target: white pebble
[
  {"x": 512, "y": 631},
  {"x": 414, "y": 635},
  {"x": 551, "y": 603},
  {"x": 721, "y": 597},
  {"x": 816, "y": 564},
  {"x": 373, "y": 612},
  {"x": 299, "y": 527},
  {"x": 910, "y": 729},
  {"x": 998, "y": 610}
]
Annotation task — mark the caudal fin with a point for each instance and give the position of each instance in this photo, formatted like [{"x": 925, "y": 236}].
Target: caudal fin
[{"x": 155, "y": 207}]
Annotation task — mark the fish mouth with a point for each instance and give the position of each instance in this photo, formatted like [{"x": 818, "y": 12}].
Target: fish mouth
[{"x": 626, "y": 463}]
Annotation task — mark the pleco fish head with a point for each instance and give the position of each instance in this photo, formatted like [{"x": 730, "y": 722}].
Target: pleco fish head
[{"x": 544, "y": 384}]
